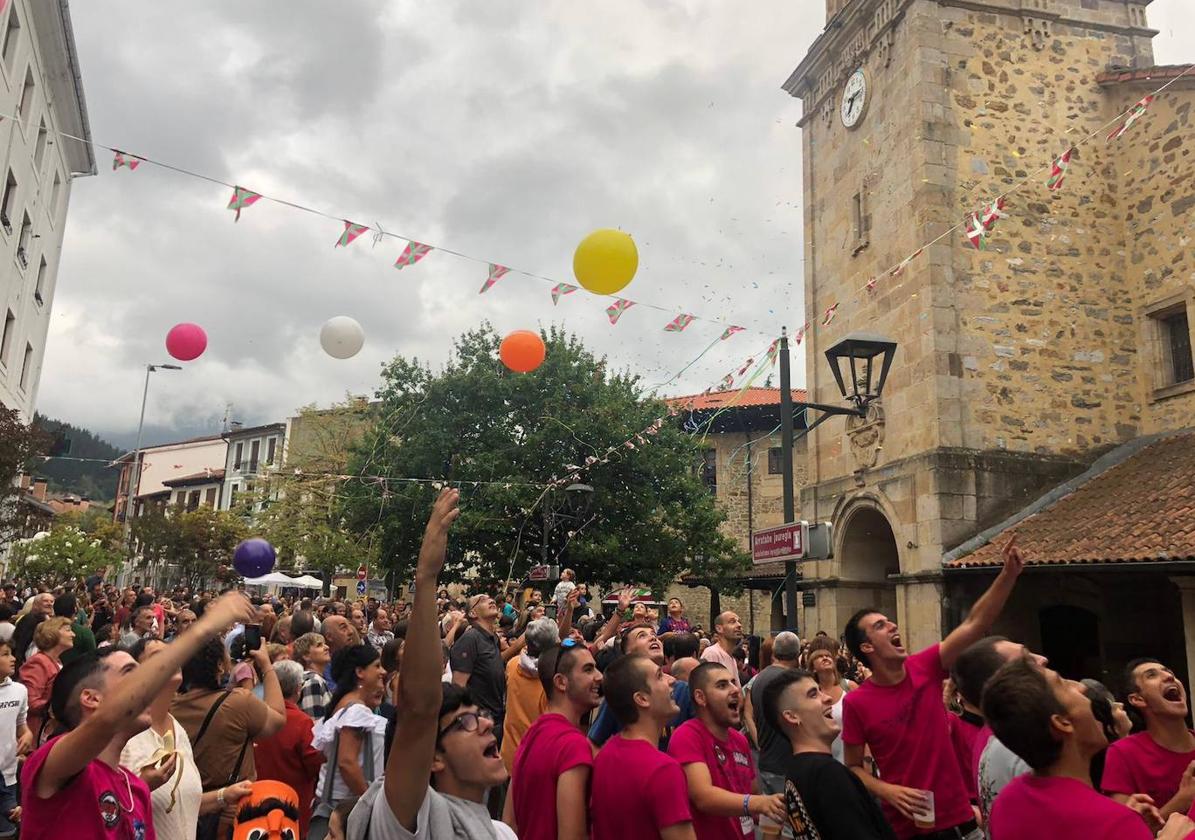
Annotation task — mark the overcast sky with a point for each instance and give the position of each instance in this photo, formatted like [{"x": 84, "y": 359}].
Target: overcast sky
[{"x": 506, "y": 130}]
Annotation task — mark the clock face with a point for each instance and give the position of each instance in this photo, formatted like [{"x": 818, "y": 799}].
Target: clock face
[{"x": 854, "y": 99}]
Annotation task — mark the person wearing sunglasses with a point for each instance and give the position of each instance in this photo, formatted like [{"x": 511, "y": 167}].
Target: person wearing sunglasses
[
  {"x": 442, "y": 737},
  {"x": 549, "y": 785}
]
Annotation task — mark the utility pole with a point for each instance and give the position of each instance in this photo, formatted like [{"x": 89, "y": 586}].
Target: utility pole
[{"x": 786, "y": 472}]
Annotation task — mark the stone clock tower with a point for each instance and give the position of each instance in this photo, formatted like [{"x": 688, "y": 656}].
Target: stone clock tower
[{"x": 1016, "y": 365}]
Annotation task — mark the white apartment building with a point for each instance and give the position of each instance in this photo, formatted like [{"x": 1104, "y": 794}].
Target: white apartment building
[{"x": 41, "y": 97}]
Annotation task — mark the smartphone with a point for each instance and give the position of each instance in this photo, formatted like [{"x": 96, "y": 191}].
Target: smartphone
[{"x": 252, "y": 636}]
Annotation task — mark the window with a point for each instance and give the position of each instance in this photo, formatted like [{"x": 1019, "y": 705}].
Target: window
[
  {"x": 775, "y": 461},
  {"x": 10, "y": 327},
  {"x": 254, "y": 452},
  {"x": 11, "y": 39},
  {"x": 232, "y": 497},
  {"x": 26, "y": 238},
  {"x": 8, "y": 202},
  {"x": 193, "y": 500},
  {"x": 709, "y": 470},
  {"x": 270, "y": 450},
  {"x": 27, "y": 94},
  {"x": 861, "y": 220},
  {"x": 236, "y": 462},
  {"x": 40, "y": 288},
  {"x": 39, "y": 150},
  {"x": 210, "y": 499},
  {"x": 27, "y": 367},
  {"x": 1178, "y": 366},
  {"x": 55, "y": 192}
]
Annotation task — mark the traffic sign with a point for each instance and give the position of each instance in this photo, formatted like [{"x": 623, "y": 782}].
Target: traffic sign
[
  {"x": 362, "y": 572},
  {"x": 785, "y": 542},
  {"x": 360, "y": 587}
]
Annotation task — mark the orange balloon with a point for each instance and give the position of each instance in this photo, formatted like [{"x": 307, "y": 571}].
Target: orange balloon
[{"x": 522, "y": 351}]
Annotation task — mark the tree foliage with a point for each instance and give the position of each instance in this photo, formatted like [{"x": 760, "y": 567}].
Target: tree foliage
[
  {"x": 198, "y": 542},
  {"x": 20, "y": 444},
  {"x": 650, "y": 519},
  {"x": 92, "y": 478},
  {"x": 59, "y": 556}
]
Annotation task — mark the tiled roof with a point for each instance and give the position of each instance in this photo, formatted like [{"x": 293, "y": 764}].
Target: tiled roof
[
  {"x": 1140, "y": 509},
  {"x": 205, "y": 477},
  {"x": 720, "y": 399},
  {"x": 128, "y": 456},
  {"x": 1145, "y": 74}
]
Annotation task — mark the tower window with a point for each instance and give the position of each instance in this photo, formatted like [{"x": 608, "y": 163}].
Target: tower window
[
  {"x": 40, "y": 289},
  {"x": 27, "y": 94},
  {"x": 11, "y": 39},
  {"x": 1176, "y": 347},
  {"x": 27, "y": 367},
  {"x": 25, "y": 239},
  {"x": 39, "y": 153},
  {"x": 8, "y": 201},
  {"x": 775, "y": 463},
  {"x": 709, "y": 470},
  {"x": 10, "y": 327},
  {"x": 861, "y": 220}
]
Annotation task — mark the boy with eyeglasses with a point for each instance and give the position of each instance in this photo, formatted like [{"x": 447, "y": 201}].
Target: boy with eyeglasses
[
  {"x": 442, "y": 736},
  {"x": 548, "y": 795}
]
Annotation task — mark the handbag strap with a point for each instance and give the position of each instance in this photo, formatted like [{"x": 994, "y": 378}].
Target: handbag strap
[
  {"x": 234, "y": 777},
  {"x": 211, "y": 713}
]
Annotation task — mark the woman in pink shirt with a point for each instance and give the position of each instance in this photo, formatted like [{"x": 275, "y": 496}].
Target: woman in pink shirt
[{"x": 53, "y": 638}]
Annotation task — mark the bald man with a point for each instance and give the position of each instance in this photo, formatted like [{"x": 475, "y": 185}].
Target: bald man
[
  {"x": 729, "y": 635},
  {"x": 684, "y": 666}
]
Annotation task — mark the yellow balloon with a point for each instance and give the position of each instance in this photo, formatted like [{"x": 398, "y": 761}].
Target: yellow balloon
[{"x": 606, "y": 261}]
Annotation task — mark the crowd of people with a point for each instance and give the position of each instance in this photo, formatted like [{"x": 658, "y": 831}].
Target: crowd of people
[{"x": 127, "y": 713}]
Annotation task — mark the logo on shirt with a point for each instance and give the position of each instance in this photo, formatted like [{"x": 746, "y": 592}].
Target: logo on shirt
[
  {"x": 718, "y": 754},
  {"x": 741, "y": 759},
  {"x": 138, "y": 830},
  {"x": 109, "y": 808}
]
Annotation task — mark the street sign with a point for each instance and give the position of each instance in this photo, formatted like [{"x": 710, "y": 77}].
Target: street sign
[
  {"x": 539, "y": 572},
  {"x": 362, "y": 572},
  {"x": 785, "y": 542},
  {"x": 360, "y": 587}
]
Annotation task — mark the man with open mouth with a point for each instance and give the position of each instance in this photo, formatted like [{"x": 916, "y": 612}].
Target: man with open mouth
[
  {"x": 898, "y": 713},
  {"x": 1159, "y": 762}
]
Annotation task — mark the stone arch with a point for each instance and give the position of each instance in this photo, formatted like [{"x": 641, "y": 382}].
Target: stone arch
[{"x": 866, "y": 553}]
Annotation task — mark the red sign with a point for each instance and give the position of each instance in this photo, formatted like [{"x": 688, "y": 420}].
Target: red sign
[
  {"x": 539, "y": 573},
  {"x": 361, "y": 572},
  {"x": 785, "y": 542}
]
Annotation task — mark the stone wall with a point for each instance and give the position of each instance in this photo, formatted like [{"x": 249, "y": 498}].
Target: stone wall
[{"x": 738, "y": 463}]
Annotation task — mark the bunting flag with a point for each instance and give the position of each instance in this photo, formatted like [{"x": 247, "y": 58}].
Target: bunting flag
[
  {"x": 746, "y": 365},
  {"x": 413, "y": 253},
  {"x": 1137, "y": 113},
  {"x": 993, "y": 213},
  {"x": 120, "y": 159},
  {"x": 242, "y": 198},
  {"x": 727, "y": 381},
  {"x": 977, "y": 232},
  {"x": 560, "y": 290},
  {"x": 1058, "y": 170},
  {"x": 497, "y": 272},
  {"x": 801, "y": 333},
  {"x": 678, "y": 323},
  {"x": 900, "y": 269},
  {"x": 614, "y": 311},
  {"x": 829, "y": 315},
  {"x": 871, "y": 284},
  {"x": 351, "y": 231},
  {"x": 731, "y": 330},
  {"x": 773, "y": 352}
]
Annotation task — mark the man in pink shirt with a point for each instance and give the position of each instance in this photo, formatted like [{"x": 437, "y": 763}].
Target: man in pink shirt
[
  {"x": 638, "y": 791},
  {"x": 899, "y": 714},
  {"x": 729, "y": 631},
  {"x": 1048, "y": 722},
  {"x": 717, "y": 762},
  {"x": 1159, "y": 762},
  {"x": 549, "y": 785}
]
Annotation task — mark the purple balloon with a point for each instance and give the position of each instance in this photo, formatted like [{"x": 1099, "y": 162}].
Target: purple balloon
[{"x": 253, "y": 558}]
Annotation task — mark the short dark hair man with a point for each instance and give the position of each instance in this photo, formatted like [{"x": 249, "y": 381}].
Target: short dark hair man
[
  {"x": 1048, "y": 721},
  {"x": 774, "y": 751},
  {"x": 550, "y": 783},
  {"x": 1160, "y": 761},
  {"x": 716, "y": 759},
  {"x": 728, "y": 630},
  {"x": 637, "y": 789},
  {"x": 477, "y": 662},
  {"x": 823, "y": 799},
  {"x": 913, "y": 750}
]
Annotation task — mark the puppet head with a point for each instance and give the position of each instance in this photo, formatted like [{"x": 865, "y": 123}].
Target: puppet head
[{"x": 269, "y": 812}]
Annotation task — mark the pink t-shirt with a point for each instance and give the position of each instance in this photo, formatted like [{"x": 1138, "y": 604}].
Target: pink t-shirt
[
  {"x": 1047, "y": 807},
  {"x": 549, "y": 748},
  {"x": 714, "y": 653},
  {"x": 730, "y": 768},
  {"x": 637, "y": 791},
  {"x": 965, "y": 737},
  {"x": 101, "y": 803},
  {"x": 905, "y": 725},
  {"x": 1138, "y": 764}
]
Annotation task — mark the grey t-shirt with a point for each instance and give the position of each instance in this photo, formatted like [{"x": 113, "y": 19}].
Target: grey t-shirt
[
  {"x": 998, "y": 765},
  {"x": 477, "y": 654},
  {"x": 774, "y": 748}
]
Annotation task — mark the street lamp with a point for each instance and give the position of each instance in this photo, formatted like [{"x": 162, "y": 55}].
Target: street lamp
[
  {"x": 578, "y": 500},
  {"x": 860, "y": 350},
  {"x": 135, "y": 467}
]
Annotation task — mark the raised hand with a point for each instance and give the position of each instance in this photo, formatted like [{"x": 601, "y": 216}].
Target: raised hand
[
  {"x": 1014, "y": 561},
  {"x": 435, "y": 538},
  {"x": 229, "y": 609},
  {"x": 624, "y": 599}
]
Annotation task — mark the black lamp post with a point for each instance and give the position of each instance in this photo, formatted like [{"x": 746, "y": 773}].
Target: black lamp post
[
  {"x": 578, "y": 499},
  {"x": 861, "y": 351}
]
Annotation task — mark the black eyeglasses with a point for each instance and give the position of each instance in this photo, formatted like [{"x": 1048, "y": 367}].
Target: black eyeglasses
[{"x": 468, "y": 722}]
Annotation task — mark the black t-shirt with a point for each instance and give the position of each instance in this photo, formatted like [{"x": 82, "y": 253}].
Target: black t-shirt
[
  {"x": 774, "y": 748},
  {"x": 826, "y": 801},
  {"x": 478, "y": 654}
]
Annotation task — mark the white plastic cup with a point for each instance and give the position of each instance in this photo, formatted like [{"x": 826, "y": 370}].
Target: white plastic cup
[
  {"x": 926, "y": 818},
  {"x": 768, "y": 827}
]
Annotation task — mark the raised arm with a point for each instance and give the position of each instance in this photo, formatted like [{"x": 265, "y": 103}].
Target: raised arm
[
  {"x": 986, "y": 610},
  {"x": 564, "y": 620},
  {"x": 409, "y": 769},
  {"x": 611, "y": 626},
  {"x": 75, "y": 750}
]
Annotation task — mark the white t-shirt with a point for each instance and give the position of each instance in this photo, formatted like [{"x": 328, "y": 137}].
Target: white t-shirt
[
  {"x": 715, "y": 653},
  {"x": 359, "y": 717},
  {"x": 177, "y": 822},
  {"x": 998, "y": 765},
  {"x": 14, "y": 708},
  {"x": 383, "y": 825}
]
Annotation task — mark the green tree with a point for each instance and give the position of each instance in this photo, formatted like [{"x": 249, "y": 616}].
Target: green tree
[
  {"x": 20, "y": 444},
  {"x": 198, "y": 542},
  {"x": 650, "y": 519},
  {"x": 60, "y": 556}
]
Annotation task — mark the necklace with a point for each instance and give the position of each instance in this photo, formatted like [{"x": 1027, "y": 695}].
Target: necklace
[{"x": 129, "y": 787}]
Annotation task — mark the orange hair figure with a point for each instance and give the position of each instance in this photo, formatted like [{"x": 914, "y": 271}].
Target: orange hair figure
[{"x": 269, "y": 812}]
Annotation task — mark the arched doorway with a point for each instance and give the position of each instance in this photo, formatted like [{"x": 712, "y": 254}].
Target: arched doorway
[{"x": 867, "y": 556}]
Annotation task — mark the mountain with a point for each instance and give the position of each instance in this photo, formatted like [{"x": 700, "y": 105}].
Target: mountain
[{"x": 91, "y": 478}]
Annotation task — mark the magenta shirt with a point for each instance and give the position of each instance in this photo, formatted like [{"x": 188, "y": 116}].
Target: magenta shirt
[
  {"x": 637, "y": 791},
  {"x": 906, "y": 727},
  {"x": 965, "y": 737},
  {"x": 1045, "y": 808},
  {"x": 551, "y": 746},
  {"x": 730, "y": 767},
  {"x": 95, "y": 805},
  {"x": 1138, "y": 764}
]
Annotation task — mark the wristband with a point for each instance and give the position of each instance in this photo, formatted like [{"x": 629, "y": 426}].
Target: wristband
[{"x": 746, "y": 805}]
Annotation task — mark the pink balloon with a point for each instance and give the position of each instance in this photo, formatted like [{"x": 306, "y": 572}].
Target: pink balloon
[{"x": 186, "y": 342}]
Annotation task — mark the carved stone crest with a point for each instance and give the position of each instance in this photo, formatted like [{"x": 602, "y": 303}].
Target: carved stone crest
[{"x": 866, "y": 436}]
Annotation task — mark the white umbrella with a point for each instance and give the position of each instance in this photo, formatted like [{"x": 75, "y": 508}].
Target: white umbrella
[{"x": 307, "y": 582}]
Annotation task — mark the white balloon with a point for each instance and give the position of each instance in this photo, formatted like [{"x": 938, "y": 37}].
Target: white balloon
[{"x": 341, "y": 337}]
